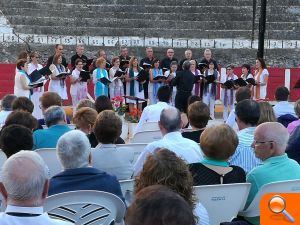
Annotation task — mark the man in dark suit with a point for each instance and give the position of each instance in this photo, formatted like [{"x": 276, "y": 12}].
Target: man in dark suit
[
  {"x": 74, "y": 153},
  {"x": 59, "y": 49},
  {"x": 184, "y": 81}
]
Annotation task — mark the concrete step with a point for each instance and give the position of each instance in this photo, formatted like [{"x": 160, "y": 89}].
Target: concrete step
[
  {"x": 134, "y": 23},
  {"x": 154, "y": 16},
  {"x": 144, "y": 2},
  {"x": 153, "y": 32},
  {"x": 121, "y": 15},
  {"x": 146, "y": 23},
  {"x": 166, "y": 2}
]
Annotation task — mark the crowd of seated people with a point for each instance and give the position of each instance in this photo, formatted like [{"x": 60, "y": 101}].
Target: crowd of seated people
[{"x": 190, "y": 152}]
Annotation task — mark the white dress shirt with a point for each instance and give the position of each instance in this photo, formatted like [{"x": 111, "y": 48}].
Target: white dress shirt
[
  {"x": 151, "y": 113},
  {"x": 113, "y": 160},
  {"x": 42, "y": 219},
  {"x": 283, "y": 108},
  {"x": 185, "y": 148}
]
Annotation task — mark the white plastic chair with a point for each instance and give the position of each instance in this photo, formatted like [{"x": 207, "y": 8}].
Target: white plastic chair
[
  {"x": 149, "y": 126},
  {"x": 146, "y": 137},
  {"x": 72, "y": 126},
  {"x": 289, "y": 186},
  {"x": 127, "y": 187},
  {"x": 51, "y": 160},
  {"x": 137, "y": 148},
  {"x": 86, "y": 207},
  {"x": 222, "y": 201}
]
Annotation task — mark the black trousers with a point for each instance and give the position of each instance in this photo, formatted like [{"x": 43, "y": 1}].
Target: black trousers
[{"x": 181, "y": 100}]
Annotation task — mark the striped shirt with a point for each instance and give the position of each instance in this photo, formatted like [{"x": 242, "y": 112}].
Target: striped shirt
[{"x": 244, "y": 155}]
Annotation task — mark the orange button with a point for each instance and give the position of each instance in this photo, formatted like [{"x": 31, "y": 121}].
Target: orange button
[{"x": 280, "y": 208}]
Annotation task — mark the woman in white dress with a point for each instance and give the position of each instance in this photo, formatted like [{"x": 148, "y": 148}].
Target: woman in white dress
[
  {"x": 58, "y": 84},
  {"x": 78, "y": 89},
  {"x": 228, "y": 94},
  {"x": 133, "y": 87},
  {"x": 261, "y": 76},
  {"x": 170, "y": 74},
  {"x": 210, "y": 89},
  {"x": 22, "y": 80},
  {"x": 196, "y": 72},
  {"x": 116, "y": 88},
  {"x": 37, "y": 92}
]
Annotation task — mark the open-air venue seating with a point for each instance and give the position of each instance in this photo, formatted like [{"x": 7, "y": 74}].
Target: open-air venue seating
[
  {"x": 86, "y": 207},
  {"x": 222, "y": 201},
  {"x": 146, "y": 137},
  {"x": 289, "y": 186}
]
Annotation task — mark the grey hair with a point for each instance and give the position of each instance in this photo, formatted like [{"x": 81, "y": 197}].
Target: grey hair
[
  {"x": 170, "y": 119},
  {"x": 53, "y": 115},
  {"x": 276, "y": 132},
  {"x": 186, "y": 65},
  {"x": 7, "y": 101},
  {"x": 24, "y": 175},
  {"x": 73, "y": 149}
]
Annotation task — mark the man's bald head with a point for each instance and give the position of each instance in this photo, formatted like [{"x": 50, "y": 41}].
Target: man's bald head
[
  {"x": 24, "y": 177},
  {"x": 170, "y": 119},
  {"x": 275, "y": 135}
]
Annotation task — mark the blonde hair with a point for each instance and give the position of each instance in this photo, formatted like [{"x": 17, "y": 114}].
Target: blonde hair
[
  {"x": 100, "y": 61},
  {"x": 266, "y": 113}
]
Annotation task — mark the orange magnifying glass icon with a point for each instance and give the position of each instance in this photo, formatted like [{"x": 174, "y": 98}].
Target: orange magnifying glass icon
[{"x": 277, "y": 205}]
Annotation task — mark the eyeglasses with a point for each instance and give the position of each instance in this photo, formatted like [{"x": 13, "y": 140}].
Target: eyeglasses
[{"x": 261, "y": 142}]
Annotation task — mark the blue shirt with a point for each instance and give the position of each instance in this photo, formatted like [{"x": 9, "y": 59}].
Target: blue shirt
[
  {"x": 244, "y": 155},
  {"x": 47, "y": 138},
  {"x": 274, "y": 169}
]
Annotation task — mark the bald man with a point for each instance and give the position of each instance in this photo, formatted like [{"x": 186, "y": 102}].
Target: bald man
[
  {"x": 25, "y": 187},
  {"x": 270, "y": 141},
  {"x": 169, "y": 125},
  {"x": 165, "y": 63},
  {"x": 207, "y": 58},
  {"x": 188, "y": 56}
]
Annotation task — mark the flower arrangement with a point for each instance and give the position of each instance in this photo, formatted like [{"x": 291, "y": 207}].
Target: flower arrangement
[
  {"x": 133, "y": 116},
  {"x": 118, "y": 105}
]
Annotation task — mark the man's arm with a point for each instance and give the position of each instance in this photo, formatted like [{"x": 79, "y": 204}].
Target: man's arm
[{"x": 253, "y": 190}]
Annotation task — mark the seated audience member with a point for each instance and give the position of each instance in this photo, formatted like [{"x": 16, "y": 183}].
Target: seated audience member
[
  {"x": 103, "y": 103},
  {"x": 106, "y": 156},
  {"x": 55, "y": 119},
  {"x": 247, "y": 116},
  {"x": 74, "y": 153},
  {"x": 22, "y": 104},
  {"x": 293, "y": 150},
  {"x": 6, "y": 107},
  {"x": 85, "y": 103},
  {"x": 24, "y": 187},
  {"x": 266, "y": 113},
  {"x": 49, "y": 99},
  {"x": 184, "y": 117},
  {"x": 169, "y": 125},
  {"x": 15, "y": 138},
  {"x": 283, "y": 107},
  {"x": 218, "y": 144},
  {"x": 23, "y": 118},
  {"x": 165, "y": 168},
  {"x": 198, "y": 115},
  {"x": 151, "y": 113},
  {"x": 241, "y": 94},
  {"x": 270, "y": 141},
  {"x": 292, "y": 126},
  {"x": 159, "y": 205},
  {"x": 84, "y": 119}
]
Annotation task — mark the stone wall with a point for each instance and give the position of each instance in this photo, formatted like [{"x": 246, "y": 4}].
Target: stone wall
[{"x": 274, "y": 57}]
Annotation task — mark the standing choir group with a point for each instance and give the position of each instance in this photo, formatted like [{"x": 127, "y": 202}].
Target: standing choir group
[{"x": 127, "y": 76}]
